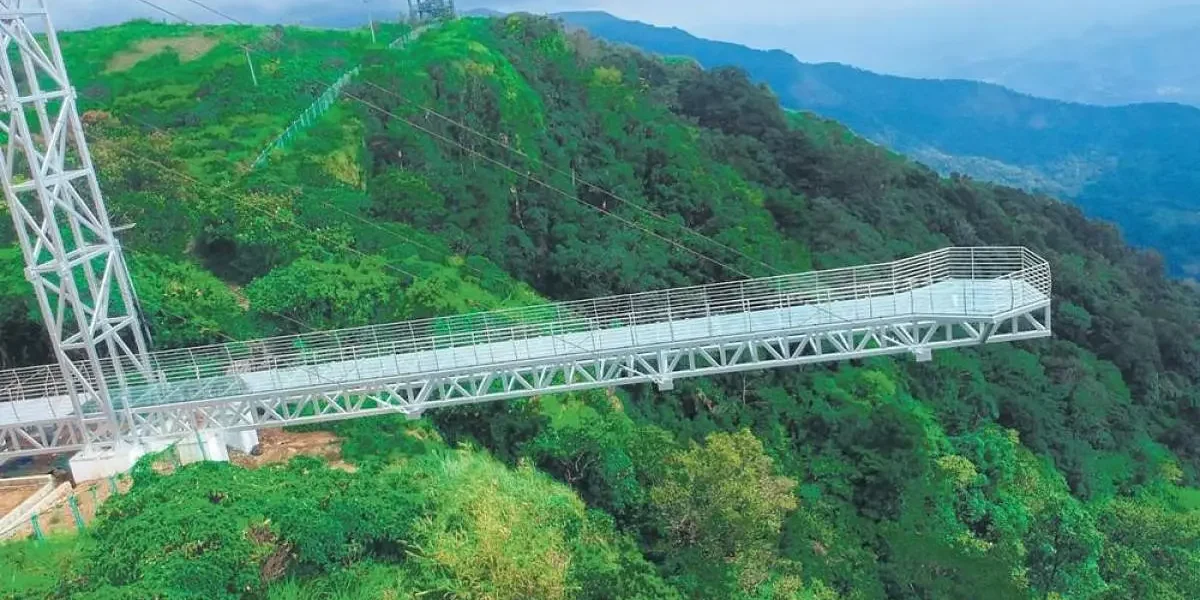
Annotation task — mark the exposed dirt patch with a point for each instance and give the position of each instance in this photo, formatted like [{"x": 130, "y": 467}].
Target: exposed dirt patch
[
  {"x": 59, "y": 519},
  {"x": 188, "y": 48},
  {"x": 10, "y": 498},
  {"x": 278, "y": 446},
  {"x": 89, "y": 496}
]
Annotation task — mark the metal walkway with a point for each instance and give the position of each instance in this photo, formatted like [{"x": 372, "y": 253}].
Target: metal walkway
[{"x": 947, "y": 298}]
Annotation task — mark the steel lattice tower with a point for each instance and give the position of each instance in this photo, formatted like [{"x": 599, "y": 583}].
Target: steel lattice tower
[
  {"x": 432, "y": 10},
  {"x": 73, "y": 258}
]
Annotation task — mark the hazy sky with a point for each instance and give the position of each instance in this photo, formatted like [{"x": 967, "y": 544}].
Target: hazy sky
[{"x": 900, "y": 36}]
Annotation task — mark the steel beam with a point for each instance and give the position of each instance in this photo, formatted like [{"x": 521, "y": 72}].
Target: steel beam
[{"x": 413, "y": 396}]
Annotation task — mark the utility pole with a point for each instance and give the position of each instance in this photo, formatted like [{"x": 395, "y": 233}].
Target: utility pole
[
  {"x": 370, "y": 21},
  {"x": 72, "y": 257},
  {"x": 250, "y": 62}
]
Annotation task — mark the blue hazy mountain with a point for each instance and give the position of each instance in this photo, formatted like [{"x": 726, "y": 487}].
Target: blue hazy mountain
[
  {"x": 1134, "y": 165},
  {"x": 1152, "y": 58}
]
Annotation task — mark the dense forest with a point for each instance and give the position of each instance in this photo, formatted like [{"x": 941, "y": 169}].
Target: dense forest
[
  {"x": 1128, "y": 164},
  {"x": 503, "y": 162}
]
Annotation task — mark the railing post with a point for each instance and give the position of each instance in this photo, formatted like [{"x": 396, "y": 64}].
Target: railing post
[
  {"x": 784, "y": 304},
  {"x": 895, "y": 293},
  {"x": 670, "y": 318},
  {"x": 854, "y": 286},
  {"x": 974, "y": 290},
  {"x": 708, "y": 316},
  {"x": 632, "y": 321},
  {"x": 745, "y": 307},
  {"x": 596, "y": 326}
]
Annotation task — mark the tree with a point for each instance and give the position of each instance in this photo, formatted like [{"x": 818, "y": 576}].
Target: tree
[
  {"x": 322, "y": 296},
  {"x": 1152, "y": 546},
  {"x": 721, "y": 503},
  {"x": 23, "y": 338},
  {"x": 1064, "y": 547},
  {"x": 185, "y": 305},
  {"x": 400, "y": 195}
]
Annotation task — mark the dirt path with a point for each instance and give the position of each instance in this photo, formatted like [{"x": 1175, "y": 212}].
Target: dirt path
[{"x": 277, "y": 446}]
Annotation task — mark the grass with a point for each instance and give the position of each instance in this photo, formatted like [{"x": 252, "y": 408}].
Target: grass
[
  {"x": 35, "y": 569},
  {"x": 365, "y": 581},
  {"x": 188, "y": 48}
]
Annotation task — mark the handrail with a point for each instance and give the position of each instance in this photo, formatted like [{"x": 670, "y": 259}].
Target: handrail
[{"x": 938, "y": 283}]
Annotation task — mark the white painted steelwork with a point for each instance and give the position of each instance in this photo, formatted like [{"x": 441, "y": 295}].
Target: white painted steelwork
[
  {"x": 72, "y": 256},
  {"x": 947, "y": 298}
]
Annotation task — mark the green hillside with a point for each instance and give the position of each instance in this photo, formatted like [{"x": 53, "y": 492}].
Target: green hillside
[
  {"x": 1131, "y": 165},
  {"x": 1065, "y": 468}
]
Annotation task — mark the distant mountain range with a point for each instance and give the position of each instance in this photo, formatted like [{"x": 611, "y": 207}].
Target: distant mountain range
[
  {"x": 1135, "y": 165},
  {"x": 1144, "y": 60}
]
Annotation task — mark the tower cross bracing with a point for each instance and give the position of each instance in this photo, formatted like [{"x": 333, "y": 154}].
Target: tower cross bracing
[{"x": 73, "y": 259}]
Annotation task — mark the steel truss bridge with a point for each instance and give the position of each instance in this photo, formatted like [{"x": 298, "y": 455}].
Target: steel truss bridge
[
  {"x": 948, "y": 298},
  {"x": 108, "y": 392}
]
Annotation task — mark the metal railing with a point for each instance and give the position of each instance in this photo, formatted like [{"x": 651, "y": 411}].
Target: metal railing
[
  {"x": 327, "y": 99},
  {"x": 310, "y": 116},
  {"x": 976, "y": 283}
]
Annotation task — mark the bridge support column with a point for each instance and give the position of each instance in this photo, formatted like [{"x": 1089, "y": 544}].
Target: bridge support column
[
  {"x": 242, "y": 441},
  {"x": 665, "y": 382},
  {"x": 203, "y": 446},
  {"x": 95, "y": 464},
  {"x": 923, "y": 354}
]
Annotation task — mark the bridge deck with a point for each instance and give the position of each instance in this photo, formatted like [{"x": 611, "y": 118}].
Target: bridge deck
[
  {"x": 956, "y": 300},
  {"x": 942, "y": 299}
]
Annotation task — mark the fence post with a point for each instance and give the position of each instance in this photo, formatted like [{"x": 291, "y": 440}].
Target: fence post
[
  {"x": 37, "y": 527},
  {"x": 74, "y": 504}
]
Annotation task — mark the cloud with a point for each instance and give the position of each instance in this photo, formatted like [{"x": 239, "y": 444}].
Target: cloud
[
  {"x": 905, "y": 36},
  {"x": 910, "y": 36}
]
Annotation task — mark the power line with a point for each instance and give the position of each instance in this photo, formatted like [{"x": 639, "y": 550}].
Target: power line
[
  {"x": 197, "y": 183},
  {"x": 527, "y": 176},
  {"x": 326, "y": 203},
  {"x": 163, "y": 10},
  {"x": 574, "y": 176},
  {"x": 548, "y": 186},
  {"x": 216, "y": 12}
]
